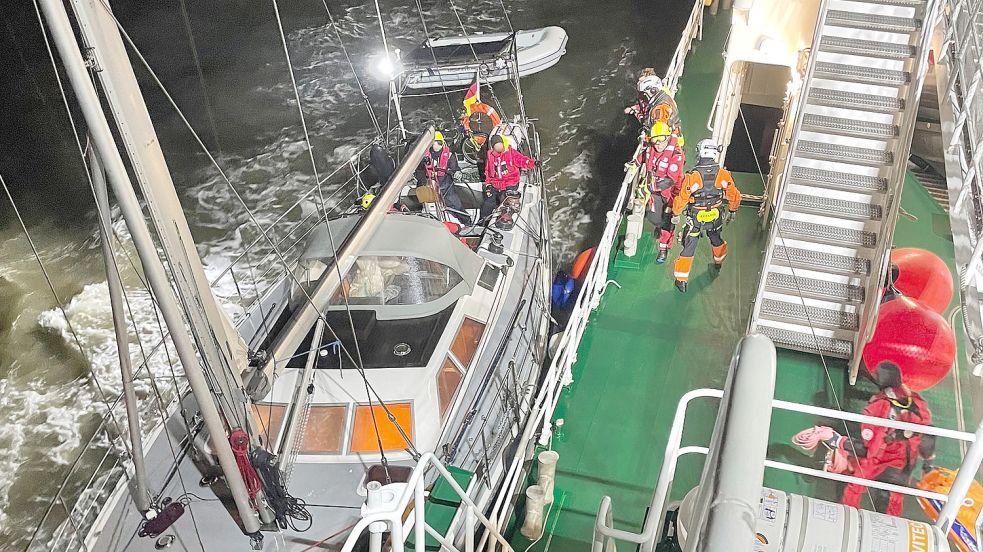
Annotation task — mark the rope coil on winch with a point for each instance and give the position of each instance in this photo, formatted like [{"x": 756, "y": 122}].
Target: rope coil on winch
[{"x": 239, "y": 441}]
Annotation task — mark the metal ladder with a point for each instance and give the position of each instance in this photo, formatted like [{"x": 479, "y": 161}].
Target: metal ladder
[{"x": 840, "y": 193}]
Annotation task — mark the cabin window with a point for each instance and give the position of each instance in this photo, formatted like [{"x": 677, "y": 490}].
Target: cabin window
[
  {"x": 366, "y": 439},
  {"x": 325, "y": 430},
  {"x": 467, "y": 340},
  {"x": 396, "y": 280},
  {"x": 269, "y": 418},
  {"x": 448, "y": 380}
]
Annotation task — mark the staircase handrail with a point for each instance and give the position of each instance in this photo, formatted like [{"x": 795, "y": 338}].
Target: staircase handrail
[{"x": 881, "y": 261}]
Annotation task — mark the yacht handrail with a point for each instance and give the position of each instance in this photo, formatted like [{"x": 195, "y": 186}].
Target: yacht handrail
[
  {"x": 604, "y": 530},
  {"x": 391, "y": 519}
]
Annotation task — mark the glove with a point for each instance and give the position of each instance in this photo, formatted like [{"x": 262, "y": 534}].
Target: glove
[
  {"x": 927, "y": 466},
  {"x": 674, "y": 220},
  {"x": 628, "y": 110},
  {"x": 729, "y": 216},
  {"x": 631, "y": 165}
]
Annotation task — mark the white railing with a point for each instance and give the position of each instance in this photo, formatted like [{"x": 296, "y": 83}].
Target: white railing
[
  {"x": 384, "y": 514},
  {"x": 604, "y": 532},
  {"x": 693, "y": 31}
]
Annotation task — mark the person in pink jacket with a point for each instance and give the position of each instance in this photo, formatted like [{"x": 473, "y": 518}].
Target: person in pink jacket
[{"x": 502, "y": 173}]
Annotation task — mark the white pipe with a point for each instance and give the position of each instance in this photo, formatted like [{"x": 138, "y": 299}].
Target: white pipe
[
  {"x": 964, "y": 480},
  {"x": 102, "y": 138},
  {"x": 141, "y": 494},
  {"x": 547, "y": 472}
]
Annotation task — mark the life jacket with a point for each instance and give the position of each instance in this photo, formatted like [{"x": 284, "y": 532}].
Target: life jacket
[
  {"x": 707, "y": 196},
  {"x": 662, "y": 107},
  {"x": 667, "y": 164},
  {"x": 440, "y": 169}
]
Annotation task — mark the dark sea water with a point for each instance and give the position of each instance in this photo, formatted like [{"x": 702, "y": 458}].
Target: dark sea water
[{"x": 238, "y": 97}]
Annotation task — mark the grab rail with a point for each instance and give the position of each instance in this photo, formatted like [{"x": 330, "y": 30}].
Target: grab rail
[
  {"x": 604, "y": 529},
  {"x": 391, "y": 519}
]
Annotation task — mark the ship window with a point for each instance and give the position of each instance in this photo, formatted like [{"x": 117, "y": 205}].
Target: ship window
[
  {"x": 364, "y": 436},
  {"x": 325, "y": 430},
  {"x": 467, "y": 340},
  {"x": 268, "y": 418},
  {"x": 396, "y": 280},
  {"x": 448, "y": 380}
]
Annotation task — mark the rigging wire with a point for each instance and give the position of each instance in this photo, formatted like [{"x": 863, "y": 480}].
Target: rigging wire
[
  {"x": 186, "y": 18},
  {"x": 310, "y": 148},
  {"x": 805, "y": 307},
  {"x": 88, "y": 175},
  {"x": 266, "y": 236},
  {"x": 358, "y": 82},
  {"x": 433, "y": 54},
  {"x": 71, "y": 328}
]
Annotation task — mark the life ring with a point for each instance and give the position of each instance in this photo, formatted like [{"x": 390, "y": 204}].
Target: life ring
[
  {"x": 582, "y": 263},
  {"x": 486, "y": 110}
]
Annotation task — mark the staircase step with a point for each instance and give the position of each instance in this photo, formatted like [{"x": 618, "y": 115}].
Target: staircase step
[
  {"x": 852, "y": 100},
  {"x": 843, "y": 153},
  {"x": 809, "y": 176},
  {"x": 836, "y": 235},
  {"x": 806, "y": 342},
  {"x": 813, "y": 288},
  {"x": 817, "y": 317},
  {"x": 869, "y": 48},
  {"x": 864, "y": 75},
  {"x": 849, "y": 127},
  {"x": 871, "y": 21},
  {"x": 824, "y": 205},
  {"x": 821, "y": 261}
]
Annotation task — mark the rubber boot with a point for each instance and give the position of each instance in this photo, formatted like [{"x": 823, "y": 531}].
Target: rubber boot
[
  {"x": 663, "y": 255},
  {"x": 681, "y": 286}
]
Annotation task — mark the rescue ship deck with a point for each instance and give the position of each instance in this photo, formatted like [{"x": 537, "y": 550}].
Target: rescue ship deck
[{"x": 647, "y": 345}]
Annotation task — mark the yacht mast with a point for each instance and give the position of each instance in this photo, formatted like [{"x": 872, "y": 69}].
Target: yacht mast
[
  {"x": 102, "y": 137},
  {"x": 219, "y": 344},
  {"x": 141, "y": 494}
]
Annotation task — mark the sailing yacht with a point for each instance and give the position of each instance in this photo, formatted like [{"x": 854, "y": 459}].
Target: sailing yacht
[
  {"x": 397, "y": 333},
  {"x": 664, "y": 421}
]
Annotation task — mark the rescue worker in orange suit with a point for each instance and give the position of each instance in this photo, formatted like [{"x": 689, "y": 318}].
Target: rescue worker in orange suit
[
  {"x": 701, "y": 199},
  {"x": 437, "y": 170},
  {"x": 502, "y": 171},
  {"x": 663, "y": 161},
  {"x": 655, "y": 104},
  {"x": 885, "y": 454}
]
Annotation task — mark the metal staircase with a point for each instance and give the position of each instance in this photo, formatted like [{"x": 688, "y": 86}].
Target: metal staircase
[{"x": 840, "y": 192}]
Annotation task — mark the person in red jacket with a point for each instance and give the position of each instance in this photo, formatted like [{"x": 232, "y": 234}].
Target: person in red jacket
[
  {"x": 889, "y": 455},
  {"x": 663, "y": 162},
  {"x": 502, "y": 173}
]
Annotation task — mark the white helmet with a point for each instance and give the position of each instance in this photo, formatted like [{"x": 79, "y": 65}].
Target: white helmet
[
  {"x": 649, "y": 83},
  {"x": 708, "y": 149}
]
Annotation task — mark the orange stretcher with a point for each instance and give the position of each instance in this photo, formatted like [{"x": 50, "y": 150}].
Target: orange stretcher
[{"x": 963, "y": 532}]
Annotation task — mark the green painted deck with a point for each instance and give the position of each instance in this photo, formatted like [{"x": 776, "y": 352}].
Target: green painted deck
[{"x": 647, "y": 345}]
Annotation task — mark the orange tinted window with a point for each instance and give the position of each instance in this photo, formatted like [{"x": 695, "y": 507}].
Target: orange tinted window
[
  {"x": 268, "y": 417},
  {"x": 325, "y": 430},
  {"x": 364, "y": 437},
  {"x": 448, "y": 380},
  {"x": 466, "y": 342}
]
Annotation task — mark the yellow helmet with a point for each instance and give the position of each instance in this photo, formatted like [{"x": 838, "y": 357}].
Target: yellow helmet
[
  {"x": 438, "y": 136},
  {"x": 660, "y": 129},
  {"x": 367, "y": 200}
]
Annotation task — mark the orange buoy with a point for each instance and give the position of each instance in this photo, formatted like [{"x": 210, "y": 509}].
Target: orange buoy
[{"x": 582, "y": 263}]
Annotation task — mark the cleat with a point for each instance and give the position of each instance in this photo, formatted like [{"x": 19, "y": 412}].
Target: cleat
[
  {"x": 681, "y": 286},
  {"x": 663, "y": 255}
]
